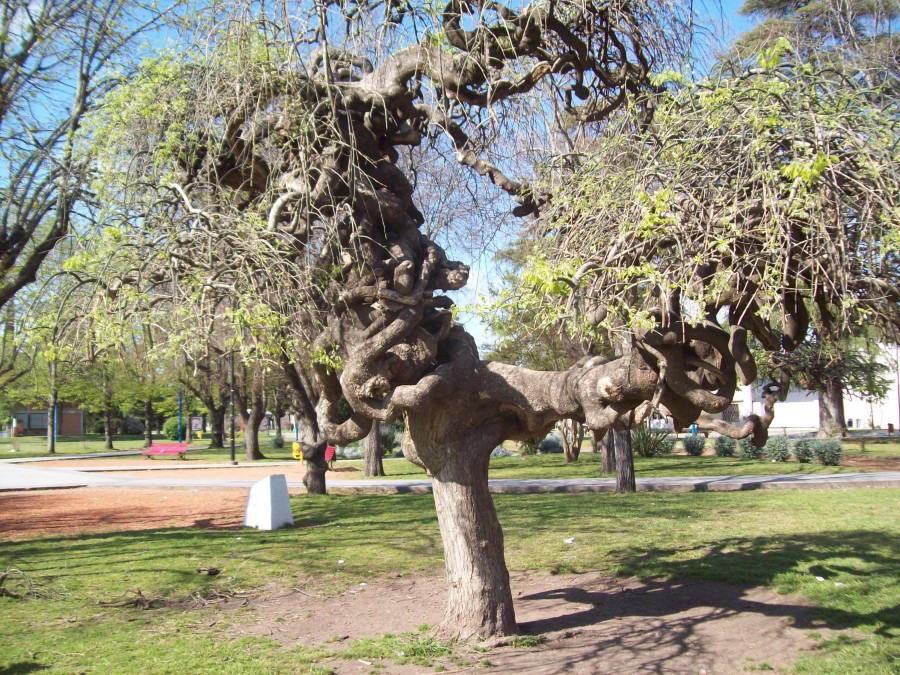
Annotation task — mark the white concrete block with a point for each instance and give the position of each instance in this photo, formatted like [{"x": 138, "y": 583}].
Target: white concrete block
[{"x": 268, "y": 505}]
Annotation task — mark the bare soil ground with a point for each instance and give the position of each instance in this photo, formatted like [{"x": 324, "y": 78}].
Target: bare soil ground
[{"x": 590, "y": 623}]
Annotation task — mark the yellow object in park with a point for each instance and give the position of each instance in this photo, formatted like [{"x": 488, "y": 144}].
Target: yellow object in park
[{"x": 297, "y": 452}]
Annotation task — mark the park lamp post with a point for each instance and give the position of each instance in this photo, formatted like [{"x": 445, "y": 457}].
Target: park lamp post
[{"x": 180, "y": 401}]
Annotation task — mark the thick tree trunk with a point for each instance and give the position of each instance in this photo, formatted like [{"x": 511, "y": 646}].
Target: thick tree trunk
[
  {"x": 316, "y": 466},
  {"x": 148, "y": 423},
  {"x": 107, "y": 412},
  {"x": 479, "y": 603},
  {"x": 52, "y": 402},
  {"x": 217, "y": 426},
  {"x": 573, "y": 437},
  {"x": 831, "y": 410},
  {"x": 609, "y": 452},
  {"x": 624, "y": 462},
  {"x": 373, "y": 452},
  {"x": 252, "y": 421}
]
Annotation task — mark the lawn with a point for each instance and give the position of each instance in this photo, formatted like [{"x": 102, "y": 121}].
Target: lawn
[
  {"x": 588, "y": 466},
  {"x": 783, "y": 540},
  {"x": 36, "y": 446}
]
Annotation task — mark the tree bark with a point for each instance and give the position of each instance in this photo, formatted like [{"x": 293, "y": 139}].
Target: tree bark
[
  {"x": 148, "y": 422},
  {"x": 831, "y": 410},
  {"x": 479, "y": 603},
  {"x": 609, "y": 452},
  {"x": 107, "y": 412},
  {"x": 217, "y": 425},
  {"x": 252, "y": 420},
  {"x": 573, "y": 436},
  {"x": 316, "y": 466},
  {"x": 625, "y": 481},
  {"x": 373, "y": 452},
  {"x": 52, "y": 402}
]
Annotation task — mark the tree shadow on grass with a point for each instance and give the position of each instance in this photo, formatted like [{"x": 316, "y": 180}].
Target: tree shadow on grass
[
  {"x": 22, "y": 667},
  {"x": 865, "y": 560}
]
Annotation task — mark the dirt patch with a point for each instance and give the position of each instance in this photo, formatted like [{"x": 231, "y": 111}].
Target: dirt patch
[
  {"x": 872, "y": 463},
  {"x": 589, "y": 624},
  {"x": 84, "y": 510}
]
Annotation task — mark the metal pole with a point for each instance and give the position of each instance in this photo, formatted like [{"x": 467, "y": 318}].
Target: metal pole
[
  {"x": 233, "y": 461},
  {"x": 55, "y": 424},
  {"x": 180, "y": 398}
]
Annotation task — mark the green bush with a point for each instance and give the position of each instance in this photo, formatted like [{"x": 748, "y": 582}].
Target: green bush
[
  {"x": 278, "y": 441},
  {"x": 648, "y": 443},
  {"x": 828, "y": 451},
  {"x": 170, "y": 429},
  {"x": 803, "y": 451},
  {"x": 693, "y": 445},
  {"x": 529, "y": 446},
  {"x": 551, "y": 445},
  {"x": 724, "y": 446},
  {"x": 749, "y": 451},
  {"x": 778, "y": 449}
]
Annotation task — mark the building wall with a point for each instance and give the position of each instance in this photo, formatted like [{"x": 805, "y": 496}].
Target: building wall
[
  {"x": 71, "y": 420},
  {"x": 800, "y": 411}
]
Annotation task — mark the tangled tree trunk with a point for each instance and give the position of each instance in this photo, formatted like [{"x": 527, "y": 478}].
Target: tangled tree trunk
[
  {"x": 832, "y": 421},
  {"x": 625, "y": 481},
  {"x": 148, "y": 422},
  {"x": 609, "y": 452},
  {"x": 316, "y": 466},
  {"x": 373, "y": 452}
]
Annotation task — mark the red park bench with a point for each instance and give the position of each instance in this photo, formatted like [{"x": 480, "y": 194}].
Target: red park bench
[{"x": 166, "y": 449}]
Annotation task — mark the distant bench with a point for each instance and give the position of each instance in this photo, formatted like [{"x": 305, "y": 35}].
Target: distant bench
[{"x": 166, "y": 449}]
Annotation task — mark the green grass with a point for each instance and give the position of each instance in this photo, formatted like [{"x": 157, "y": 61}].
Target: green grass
[
  {"x": 783, "y": 540},
  {"x": 588, "y": 466},
  {"x": 36, "y": 446},
  {"x": 877, "y": 448}
]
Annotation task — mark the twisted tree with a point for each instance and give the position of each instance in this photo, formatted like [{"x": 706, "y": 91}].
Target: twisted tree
[{"x": 275, "y": 168}]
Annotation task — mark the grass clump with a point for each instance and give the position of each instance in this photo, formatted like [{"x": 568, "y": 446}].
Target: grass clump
[{"x": 411, "y": 647}]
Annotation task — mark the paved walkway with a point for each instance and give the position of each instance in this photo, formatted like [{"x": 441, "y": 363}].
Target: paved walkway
[{"x": 27, "y": 477}]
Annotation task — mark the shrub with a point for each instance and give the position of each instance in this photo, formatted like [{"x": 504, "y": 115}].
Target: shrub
[
  {"x": 778, "y": 448},
  {"x": 803, "y": 451},
  {"x": 828, "y": 451},
  {"x": 693, "y": 445},
  {"x": 529, "y": 446},
  {"x": 724, "y": 446},
  {"x": 278, "y": 441},
  {"x": 747, "y": 450},
  {"x": 170, "y": 429},
  {"x": 500, "y": 451},
  {"x": 551, "y": 445},
  {"x": 648, "y": 443},
  {"x": 351, "y": 452}
]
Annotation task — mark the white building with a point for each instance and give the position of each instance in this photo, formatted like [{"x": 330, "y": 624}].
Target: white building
[{"x": 800, "y": 411}]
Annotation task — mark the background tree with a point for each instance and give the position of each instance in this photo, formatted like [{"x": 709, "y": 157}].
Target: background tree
[
  {"x": 53, "y": 57},
  {"x": 833, "y": 370}
]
